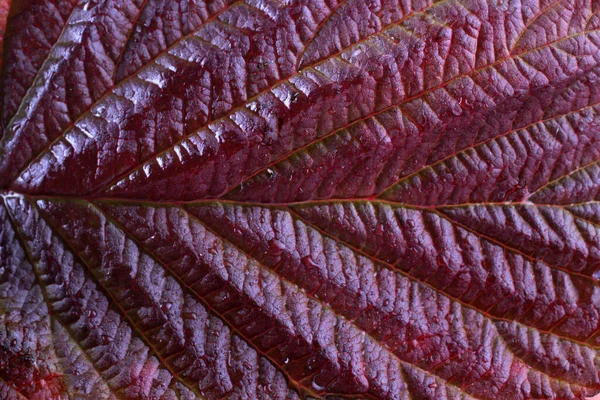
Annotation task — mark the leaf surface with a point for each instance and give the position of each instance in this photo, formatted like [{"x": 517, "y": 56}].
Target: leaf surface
[{"x": 265, "y": 199}]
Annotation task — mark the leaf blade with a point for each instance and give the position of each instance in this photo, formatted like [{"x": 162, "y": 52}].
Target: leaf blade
[{"x": 290, "y": 199}]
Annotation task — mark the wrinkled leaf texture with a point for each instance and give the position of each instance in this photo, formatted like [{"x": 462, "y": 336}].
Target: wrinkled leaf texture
[{"x": 285, "y": 199}]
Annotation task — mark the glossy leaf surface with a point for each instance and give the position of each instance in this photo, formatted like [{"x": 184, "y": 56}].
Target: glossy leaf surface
[{"x": 269, "y": 199}]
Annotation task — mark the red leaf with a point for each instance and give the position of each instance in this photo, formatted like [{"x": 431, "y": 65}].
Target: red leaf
[{"x": 265, "y": 199}]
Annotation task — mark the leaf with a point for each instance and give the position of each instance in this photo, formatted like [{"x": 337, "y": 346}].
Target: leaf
[{"x": 265, "y": 199}]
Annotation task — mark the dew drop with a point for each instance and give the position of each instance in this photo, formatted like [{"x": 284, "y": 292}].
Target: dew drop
[
  {"x": 457, "y": 110},
  {"x": 17, "y": 126},
  {"x": 286, "y": 361},
  {"x": 92, "y": 313},
  {"x": 275, "y": 247},
  {"x": 410, "y": 223},
  {"x": 253, "y": 107},
  {"x": 269, "y": 389},
  {"x": 192, "y": 316},
  {"x": 386, "y": 302},
  {"x": 309, "y": 263},
  {"x": 13, "y": 342},
  {"x": 440, "y": 36},
  {"x": 465, "y": 103},
  {"x": 316, "y": 386},
  {"x": 166, "y": 307},
  {"x": 294, "y": 97},
  {"x": 99, "y": 110},
  {"x": 89, "y": 5},
  {"x": 432, "y": 385},
  {"x": 588, "y": 118}
]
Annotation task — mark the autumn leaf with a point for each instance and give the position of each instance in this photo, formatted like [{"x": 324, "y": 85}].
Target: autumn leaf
[{"x": 288, "y": 199}]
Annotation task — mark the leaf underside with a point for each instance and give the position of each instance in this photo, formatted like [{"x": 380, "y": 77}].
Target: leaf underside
[{"x": 288, "y": 199}]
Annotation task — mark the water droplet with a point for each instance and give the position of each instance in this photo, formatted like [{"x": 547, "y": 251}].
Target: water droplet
[
  {"x": 275, "y": 247},
  {"x": 410, "y": 223},
  {"x": 286, "y": 361},
  {"x": 89, "y": 5},
  {"x": 435, "y": 319},
  {"x": 386, "y": 302},
  {"x": 440, "y": 35},
  {"x": 91, "y": 313},
  {"x": 13, "y": 342},
  {"x": 191, "y": 316},
  {"x": 253, "y": 107},
  {"x": 166, "y": 307},
  {"x": 465, "y": 103},
  {"x": 99, "y": 110},
  {"x": 309, "y": 263},
  {"x": 587, "y": 117},
  {"x": 316, "y": 386},
  {"x": 432, "y": 385},
  {"x": 441, "y": 262},
  {"x": 457, "y": 109}
]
